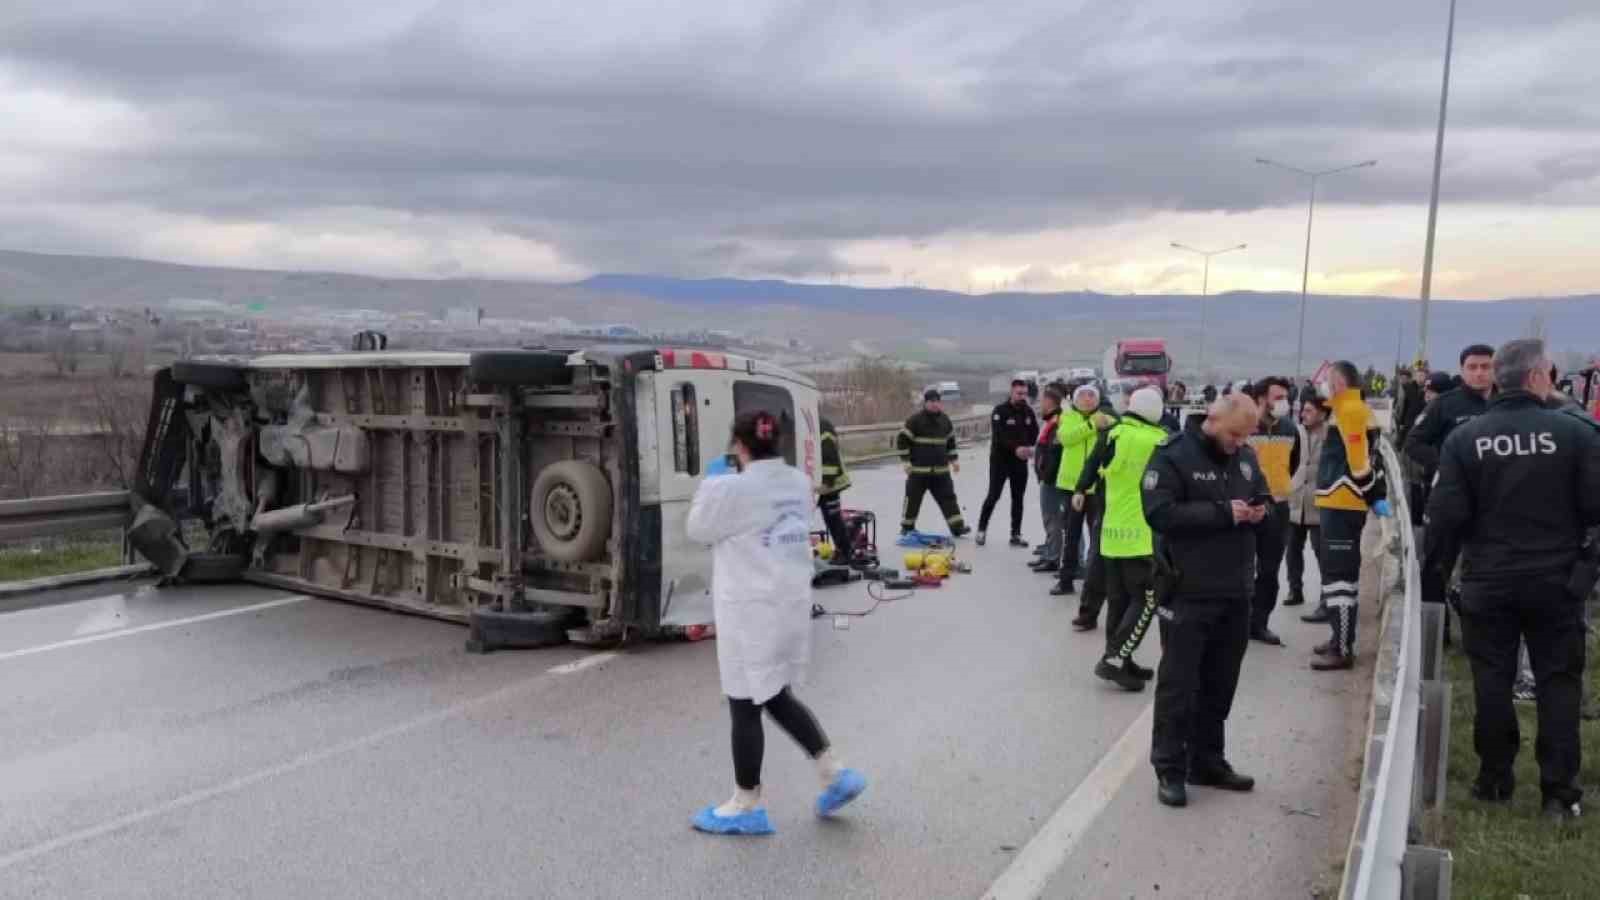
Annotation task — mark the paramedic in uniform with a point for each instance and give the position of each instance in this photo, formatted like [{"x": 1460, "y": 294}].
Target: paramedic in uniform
[
  {"x": 1517, "y": 487},
  {"x": 759, "y": 525},
  {"x": 1277, "y": 446},
  {"x": 1196, "y": 492},
  {"x": 1347, "y": 487},
  {"x": 927, "y": 446}
]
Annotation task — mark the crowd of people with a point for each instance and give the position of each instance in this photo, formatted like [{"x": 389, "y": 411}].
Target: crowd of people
[{"x": 1188, "y": 524}]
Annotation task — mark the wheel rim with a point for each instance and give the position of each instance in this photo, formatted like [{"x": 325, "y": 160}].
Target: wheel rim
[{"x": 563, "y": 512}]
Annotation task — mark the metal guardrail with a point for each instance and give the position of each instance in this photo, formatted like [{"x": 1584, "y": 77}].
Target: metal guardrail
[
  {"x": 47, "y": 516},
  {"x": 1403, "y": 774},
  {"x": 866, "y": 443}
]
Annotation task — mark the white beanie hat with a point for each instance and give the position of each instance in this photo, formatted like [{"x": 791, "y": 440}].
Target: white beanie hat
[
  {"x": 1087, "y": 388},
  {"x": 1146, "y": 404}
]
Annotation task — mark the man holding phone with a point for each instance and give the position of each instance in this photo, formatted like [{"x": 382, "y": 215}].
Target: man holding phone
[
  {"x": 1277, "y": 446},
  {"x": 1196, "y": 495}
]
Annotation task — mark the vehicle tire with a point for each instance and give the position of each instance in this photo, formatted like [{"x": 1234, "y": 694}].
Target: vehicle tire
[
  {"x": 215, "y": 376},
  {"x": 531, "y": 368},
  {"x": 212, "y": 568},
  {"x": 490, "y": 630},
  {"x": 570, "y": 510}
]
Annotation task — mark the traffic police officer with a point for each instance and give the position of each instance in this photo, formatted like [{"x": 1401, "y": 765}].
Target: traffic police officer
[
  {"x": 1517, "y": 487},
  {"x": 1126, "y": 542},
  {"x": 927, "y": 446},
  {"x": 1197, "y": 491}
]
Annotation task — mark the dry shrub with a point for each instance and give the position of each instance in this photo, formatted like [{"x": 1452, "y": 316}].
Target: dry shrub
[
  {"x": 93, "y": 445},
  {"x": 872, "y": 389}
]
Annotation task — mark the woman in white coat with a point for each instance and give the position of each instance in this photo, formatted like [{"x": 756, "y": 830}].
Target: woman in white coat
[{"x": 758, "y": 522}]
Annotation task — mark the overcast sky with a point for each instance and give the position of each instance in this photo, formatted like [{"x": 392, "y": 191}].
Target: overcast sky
[{"x": 1044, "y": 145}]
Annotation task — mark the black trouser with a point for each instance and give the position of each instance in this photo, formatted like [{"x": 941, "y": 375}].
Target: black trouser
[
  {"x": 1271, "y": 539},
  {"x": 1341, "y": 573},
  {"x": 944, "y": 493},
  {"x": 1004, "y": 471},
  {"x": 749, "y": 741},
  {"x": 1296, "y": 554},
  {"x": 833, "y": 519},
  {"x": 1072, "y": 534},
  {"x": 1130, "y": 603},
  {"x": 1438, "y": 565},
  {"x": 1494, "y": 618},
  {"x": 1202, "y": 647}
]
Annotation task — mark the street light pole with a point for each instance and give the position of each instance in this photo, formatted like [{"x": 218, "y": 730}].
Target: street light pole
[
  {"x": 1305, "y": 272},
  {"x": 1205, "y": 290},
  {"x": 1433, "y": 199}
]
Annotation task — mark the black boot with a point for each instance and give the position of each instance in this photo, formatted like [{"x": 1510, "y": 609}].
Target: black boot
[
  {"x": 1045, "y": 566},
  {"x": 1119, "y": 676},
  {"x": 1063, "y": 589},
  {"x": 1560, "y": 812},
  {"x": 1171, "y": 792},
  {"x": 1265, "y": 635},
  {"x": 1296, "y": 598},
  {"x": 1139, "y": 672},
  {"x": 1223, "y": 778},
  {"x": 1017, "y": 541},
  {"x": 1319, "y": 616}
]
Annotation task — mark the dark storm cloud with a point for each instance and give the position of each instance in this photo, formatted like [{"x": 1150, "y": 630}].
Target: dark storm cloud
[{"x": 759, "y": 140}]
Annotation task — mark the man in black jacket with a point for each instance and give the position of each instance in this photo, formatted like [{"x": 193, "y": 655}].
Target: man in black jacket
[
  {"x": 1015, "y": 429},
  {"x": 1426, "y": 438},
  {"x": 1517, "y": 487},
  {"x": 1197, "y": 491},
  {"x": 927, "y": 446}
]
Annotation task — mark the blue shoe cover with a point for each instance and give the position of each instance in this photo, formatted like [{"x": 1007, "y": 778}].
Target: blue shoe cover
[
  {"x": 847, "y": 786},
  {"x": 753, "y": 822}
]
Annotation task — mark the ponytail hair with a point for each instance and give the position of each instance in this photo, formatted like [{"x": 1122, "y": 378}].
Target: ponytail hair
[{"x": 760, "y": 433}]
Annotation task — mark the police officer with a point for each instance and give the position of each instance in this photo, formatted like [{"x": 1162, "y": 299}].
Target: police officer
[
  {"x": 835, "y": 481},
  {"x": 1518, "y": 486},
  {"x": 1126, "y": 542},
  {"x": 1426, "y": 438},
  {"x": 1277, "y": 446},
  {"x": 1197, "y": 491},
  {"x": 1080, "y": 427},
  {"x": 1348, "y": 487},
  {"x": 927, "y": 446},
  {"x": 1015, "y": 429}
]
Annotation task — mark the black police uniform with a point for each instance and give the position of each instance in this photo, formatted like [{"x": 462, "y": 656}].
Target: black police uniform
[
  {"x": 1014, "y": 426},
  {"x": 835, "y": 481},
  {"x": 1188, "y": 491},
  {"x": 927, "y": 446},
  {"x": 1517, "y": 487},
  {"x": 1426, "y": 438}
]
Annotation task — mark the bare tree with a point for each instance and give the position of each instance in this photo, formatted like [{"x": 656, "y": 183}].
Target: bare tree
[
  {"x": 117, "y": 357},
  {"x": 24, "y": 457},
  {"x": 63, "y": 350},
  {"x": 120, "y": 410},
  {"x": 872, "y": 389}
]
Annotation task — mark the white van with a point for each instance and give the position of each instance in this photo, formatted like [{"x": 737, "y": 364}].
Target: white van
[{"x": 528, "y": 493}]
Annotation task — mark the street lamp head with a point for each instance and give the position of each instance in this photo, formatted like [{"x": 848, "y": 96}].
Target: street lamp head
[
  {"x": 1241, "y": 246},
  {"x": 1368, "y": 164}
]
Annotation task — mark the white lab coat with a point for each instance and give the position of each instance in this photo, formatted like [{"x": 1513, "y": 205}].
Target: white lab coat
[{"x": 759, "y": 525}]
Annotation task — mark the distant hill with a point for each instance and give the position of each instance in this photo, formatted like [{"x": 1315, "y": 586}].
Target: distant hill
[{"x": 1248, "y": 332}]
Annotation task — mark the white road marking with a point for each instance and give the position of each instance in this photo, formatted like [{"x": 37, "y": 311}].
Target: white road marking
[
  {"x": 157, "y": 626},
  {"x": 581, "y": 664},
  {"x": 1030, "y": 872},
  {"x": 245, "y": 781}
]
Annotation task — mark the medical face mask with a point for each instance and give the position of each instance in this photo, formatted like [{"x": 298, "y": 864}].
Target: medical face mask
[{"x": 1280, "y": 410}]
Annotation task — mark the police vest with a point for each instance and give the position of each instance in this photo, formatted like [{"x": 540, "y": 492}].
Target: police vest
[{"x": 1124, "y": 533}]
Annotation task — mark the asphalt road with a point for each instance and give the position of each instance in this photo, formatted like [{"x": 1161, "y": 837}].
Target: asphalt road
[{"x": 245, "y": 743}]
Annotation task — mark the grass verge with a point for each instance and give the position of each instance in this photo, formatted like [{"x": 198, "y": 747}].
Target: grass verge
[
  {"x": 1509, "y": 852},
  {"x": 43, "y": 558}
]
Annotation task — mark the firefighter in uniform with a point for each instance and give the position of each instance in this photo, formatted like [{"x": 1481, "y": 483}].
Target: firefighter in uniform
[
  {"x": 1518, "y": 486},
  {"x": 1347, "y": 487},
  {"x": 1126, "y": 544},
  {"x": 1277, "y": 446},
  {"x": 927, "y": 446},
  {"x": 835, "y": 481},
  {"x": 1197, "y": 491}
]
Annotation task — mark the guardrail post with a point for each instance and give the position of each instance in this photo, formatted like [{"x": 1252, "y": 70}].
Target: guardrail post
[
  {"x": 1434, "y": 616},
  {"x": 1425, "y": 874},
  {"x": 1433, "y": 738}
]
